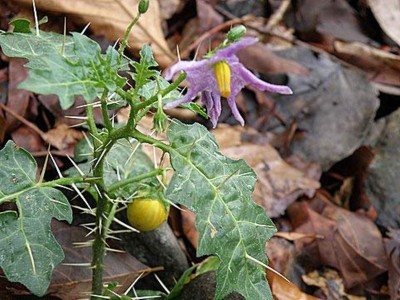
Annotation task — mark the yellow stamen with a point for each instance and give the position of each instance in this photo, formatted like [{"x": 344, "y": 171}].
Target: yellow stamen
[{"x": 223, "y": 75}]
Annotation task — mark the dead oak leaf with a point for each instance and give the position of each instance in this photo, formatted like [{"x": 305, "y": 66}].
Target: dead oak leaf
[
  {"x": 330, "y": 283},
  {"x": 71, "y": 281},
  {"x": 392, "y": 247},
  {"x": 279, "y": 184},
  {"x": 62, "y": 137},
  {"x": 352, "y": 243}
]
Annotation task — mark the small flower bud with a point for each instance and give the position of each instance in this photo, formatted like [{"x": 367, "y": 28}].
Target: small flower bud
[
  {"x": 160, "y": 121},
  {"x": 236, "y": 33},
  {"x": 143, "y": 6}
]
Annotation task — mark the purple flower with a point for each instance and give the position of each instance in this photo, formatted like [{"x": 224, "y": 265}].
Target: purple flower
[{"x": 213, "y": 79}]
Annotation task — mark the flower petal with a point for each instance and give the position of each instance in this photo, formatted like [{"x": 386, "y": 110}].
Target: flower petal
[
  {"x": 231, "y": 50},
  {"x": 190, "y": 94},
  {"x": 213, "y": 104},
  {"x": 186, "y": 66},
  {"x": 254, "y": 81},
  {"x": 235, "y": 111}
]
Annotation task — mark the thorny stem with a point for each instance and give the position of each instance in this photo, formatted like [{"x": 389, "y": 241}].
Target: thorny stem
[
  {"x": 127, "y": 181},
  {"x": 128, "y": 30},
  {"x": 149, "y": 140},
  {"x": 54, "y": 183},
  {"x": 127, "y": 130},
  {"x": 164, "y": 92},
  {"x": 104, "y": 110},
  {"x": 102, "y": 215},
  {"x": 106, "y": 209},
  {"x": 90, "y": 121}
]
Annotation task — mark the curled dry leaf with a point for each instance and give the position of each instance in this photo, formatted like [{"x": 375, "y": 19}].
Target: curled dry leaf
[
  {"x": 188, "y": 226},
  {"x": 28, "y": 139},
  {"x": 383, "y": 67},
  {"x": 2, "y": 127},
  {"x": 352, "y": 243},
  {"x": 111, "y": 18},
  {"x": 392, "y": 246},
  {"x": 334, "y": 108},
  {"x": 294, "y": 236},
  {"x": 330, "y": 19},
  {"x": 63, "y": 137},
  {"x": 261, "y": 59},
  {"x": 283, "y": 289},
  {"x": 387, "y": 13},
  {"x": 281, "y": 255},
  {"x": 18, "y": 100},
  {"x": 330, "y": 283}
]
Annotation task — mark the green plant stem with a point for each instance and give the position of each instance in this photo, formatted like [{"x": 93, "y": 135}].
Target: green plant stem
[
  {"x": 102, "y": 213},
  {"x": 127, "y": 130},
  {"x": 149, "y": 140},
  {"x": 127, "y": 181},
  {"x": 163, "y": 92},
  {"x": 54, "y": 183},
  {"x": 128, "y": 30},
  {"x": 91, "y": 123},
  {"x": 105, "y": 209},
  {"x": 104, "y": 110}
]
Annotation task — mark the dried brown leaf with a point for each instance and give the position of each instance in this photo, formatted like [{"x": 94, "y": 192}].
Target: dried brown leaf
[
  {"x": 18, "y": 100},
  {"x": 282, "y": 289},
  {"x": 330, "y": 283},
  {"x": 352, "y": 243},
  {"x": 279, "y": 184},
  {"x": 71, "y": 282},
  {"x": 169, "y": 7},
  {"x": 259, "y": 58},
  {"x": 188, "y": 226},
  {"x": 28, "y": 139},
  {"x": 392, "y": 246},
  {"x": 294, "y": 236},
  {"x": 383, "y": 67},
  {"x": 63, "y": 137},
  {"x": 331, "y": 19},
  {"x": 281, "y": 255},
  {"x": 207, "y": 16},
  {"x": 387, "y": 13}
]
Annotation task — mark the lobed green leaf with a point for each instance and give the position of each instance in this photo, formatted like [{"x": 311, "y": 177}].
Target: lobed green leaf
[
  {"x": 67, "y": 66},
  {"x": 28, "y": 249},
  {"x": 229, "y": 223},
  {"x": 143, "y": 69}
]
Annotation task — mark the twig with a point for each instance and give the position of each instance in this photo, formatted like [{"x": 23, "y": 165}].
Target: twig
[
  {"x": 128, "y": 10},
  {"x": 23, "y": 120},
  {"x": 186, "y": 52},
  {"x": 292, "y": 40},
  {"x": 278, "y": 15}
]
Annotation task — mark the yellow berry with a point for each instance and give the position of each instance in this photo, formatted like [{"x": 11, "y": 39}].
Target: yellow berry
[{"x": 146, "y": 214}]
